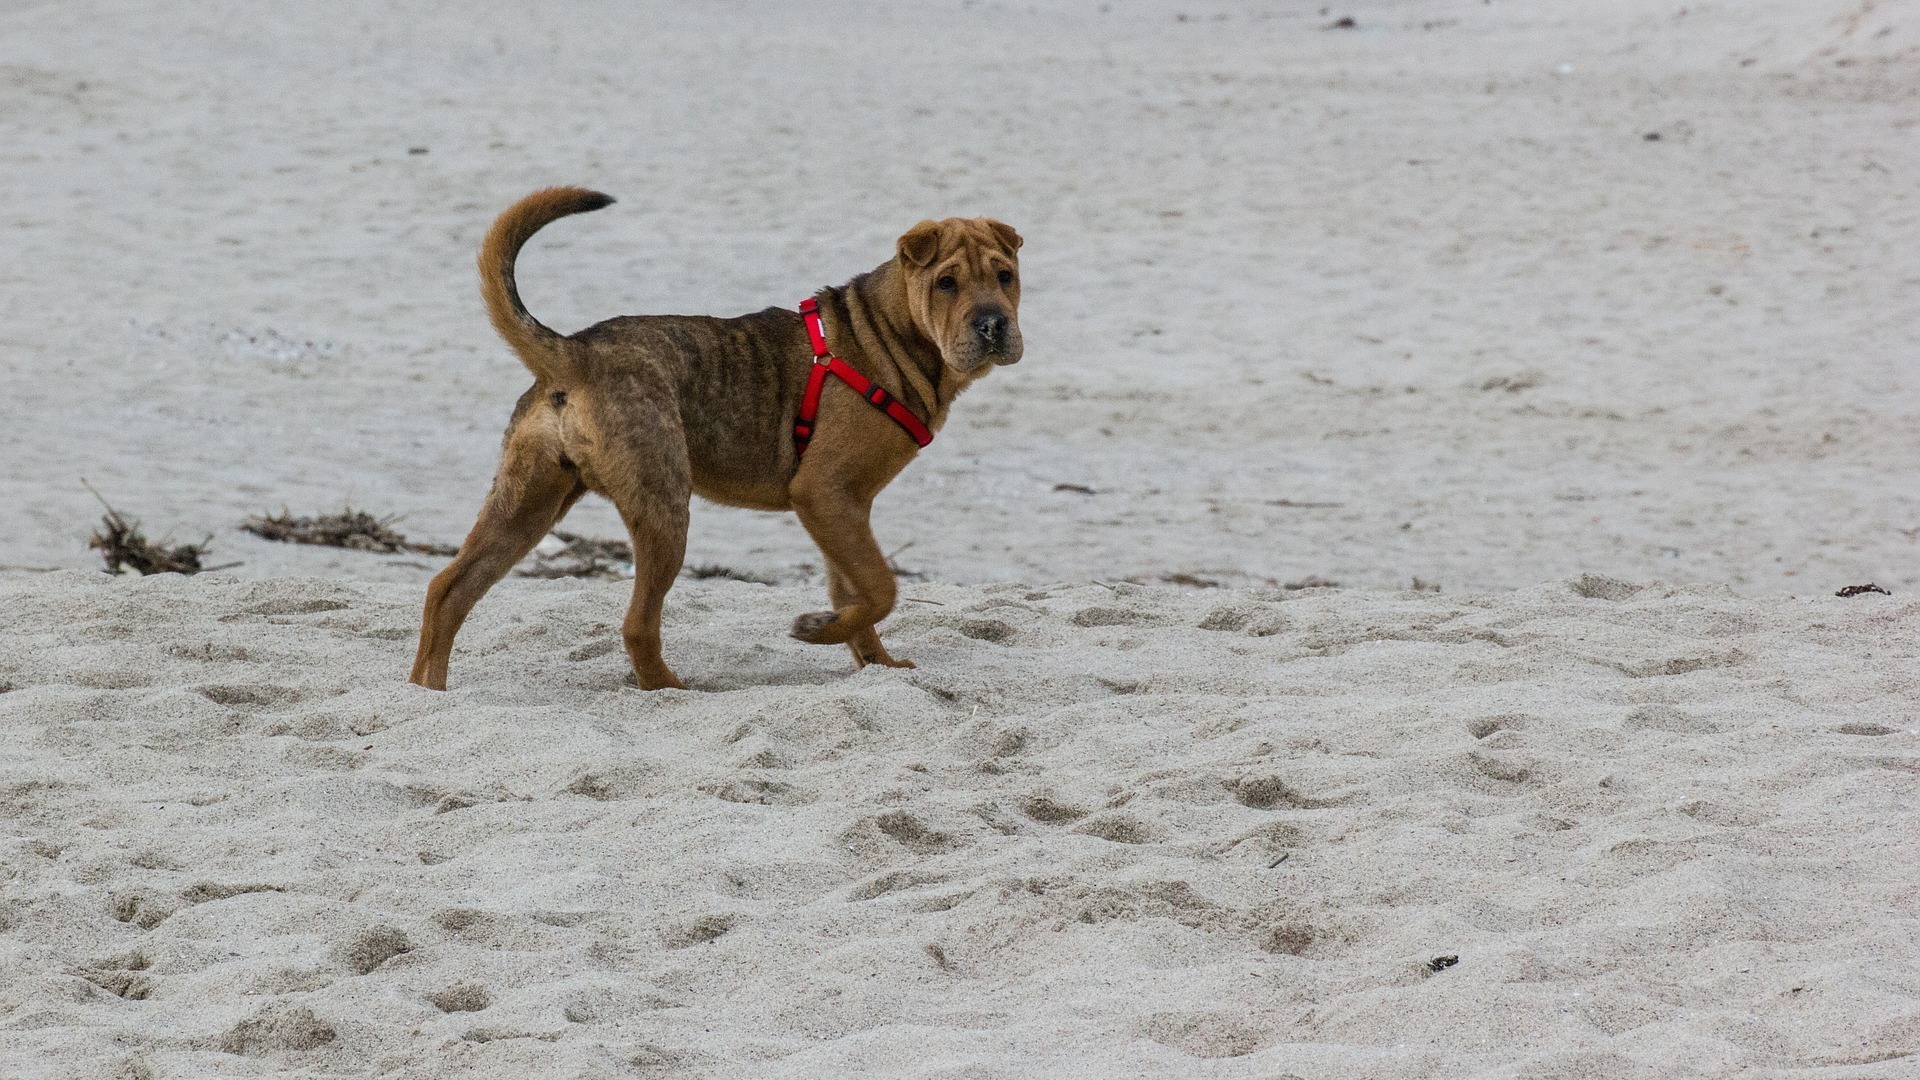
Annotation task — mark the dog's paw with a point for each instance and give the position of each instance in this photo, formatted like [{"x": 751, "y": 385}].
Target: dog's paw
[
  {"x": 662, "y": 679},
  {"x": 809, "y": 626}
]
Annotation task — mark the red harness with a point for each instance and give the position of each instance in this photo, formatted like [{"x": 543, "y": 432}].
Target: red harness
[{"x": 824, "y": 364}]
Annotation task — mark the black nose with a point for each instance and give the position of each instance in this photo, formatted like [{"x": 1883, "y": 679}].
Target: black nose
[{"x": 991, "y": 328}]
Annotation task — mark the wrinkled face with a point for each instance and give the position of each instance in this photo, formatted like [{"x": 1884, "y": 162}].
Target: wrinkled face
[{"x": 963, "y": 287}]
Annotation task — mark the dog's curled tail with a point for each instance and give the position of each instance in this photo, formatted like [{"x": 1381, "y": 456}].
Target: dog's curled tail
[{"x": 547, "y": 354}]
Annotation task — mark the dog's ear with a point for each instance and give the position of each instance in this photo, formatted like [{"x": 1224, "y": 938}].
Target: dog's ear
[
  {"x": 920, "y": 244},
  {"x": 1008, "y": 238}
]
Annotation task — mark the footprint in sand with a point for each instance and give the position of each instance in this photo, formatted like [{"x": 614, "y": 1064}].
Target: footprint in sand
[
  {"x": 1048, "y": 812},
  {"x": 912, "y": 832},
  {"x": 1256, "y": 620},
  {"x": 1103, "y": 615},
  {"x": 1289, "y": 939},
  {"x": 287, "y": 605},
  {"x": 242, "y": 696},
  {"x": 207, "y": 652},
  {"x": 121, "y": 976},
  {"x": 613, "y": 783},
  {"x": 1266, "y": 793},
  {"x": 1118, "y": 829},
  {"x": 373, "y": 948},
  {"x": 279, "y": 1028},
  {"x": 461, "y": 997},
  {"x": 1488, "y": 725},
  {"x": 143, "y": 910},
  {"x": 1669, "y": 719},
  {"x": 891, "y": 882},
  {"x": 593, "y": 650},
  {"x": 993, "y": 630},
  {"x": 757, "y": 791},
  {"x": 202, "y": 892},
  {"x": 701, "y": 931},
  {"x": 1596, "y": 587},
  {"x": 1679, "y": 665},
  {"x": 1204, "y": 1035}
]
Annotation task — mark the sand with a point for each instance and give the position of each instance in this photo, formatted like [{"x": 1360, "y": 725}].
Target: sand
[
  {"x": 1419, "y": 302},
  {"x": 1128, "y": 831}
]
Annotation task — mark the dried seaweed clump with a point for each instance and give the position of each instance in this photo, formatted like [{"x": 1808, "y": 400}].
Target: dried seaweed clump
[
  {"x": 127, "y": 550},
  {"x": 703, "y": 571},
  {"x": 353, "y": 529},
  {"x": 565, "y": 554}
]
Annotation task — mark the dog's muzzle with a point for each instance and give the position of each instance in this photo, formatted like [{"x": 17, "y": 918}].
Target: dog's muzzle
[
  {"x": 991, "y": 330},
  {"x": 996, "y": 338}
]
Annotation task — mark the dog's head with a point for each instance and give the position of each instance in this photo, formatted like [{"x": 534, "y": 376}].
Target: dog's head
[{"x": 963, "y": 288}]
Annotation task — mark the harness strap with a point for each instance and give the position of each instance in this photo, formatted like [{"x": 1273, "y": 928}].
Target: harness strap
[{"x": 824, "y": 364}]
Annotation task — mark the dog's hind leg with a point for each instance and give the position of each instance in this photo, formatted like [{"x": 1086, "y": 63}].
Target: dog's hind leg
[
  {"x": 865, "y": 645},
  {"x": 532, "y": 491},
  {"x": 651, "y": 484}
]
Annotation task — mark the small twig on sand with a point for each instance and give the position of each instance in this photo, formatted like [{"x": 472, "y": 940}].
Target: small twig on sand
[
  {"x": 900, "y": 571},
  {"x": 124, "y": 547}
]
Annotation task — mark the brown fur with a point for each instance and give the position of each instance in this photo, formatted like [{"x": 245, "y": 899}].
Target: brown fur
[{"x": 652, "y": 410}]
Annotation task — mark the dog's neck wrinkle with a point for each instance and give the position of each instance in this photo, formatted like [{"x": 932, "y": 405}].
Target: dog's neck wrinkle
[{"x": 893, "y": 349}]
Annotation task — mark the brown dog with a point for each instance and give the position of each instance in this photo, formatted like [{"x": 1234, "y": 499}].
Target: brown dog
[{"x": 652, "y": 410}]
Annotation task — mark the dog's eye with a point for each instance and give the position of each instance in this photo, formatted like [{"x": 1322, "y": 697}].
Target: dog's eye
[
  {"x": 946, "y": 283},
  {"x": 1006, "y": 277}
]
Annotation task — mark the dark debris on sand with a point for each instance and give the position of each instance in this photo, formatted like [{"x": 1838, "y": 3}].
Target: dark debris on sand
[
  {"x": 715, "y": 570},
  {"x": 582, "y": 557},
  {"x": 125, "y": 548},
  {"x": 594, "y": 557},
  {"x": 353, "y": 529}
]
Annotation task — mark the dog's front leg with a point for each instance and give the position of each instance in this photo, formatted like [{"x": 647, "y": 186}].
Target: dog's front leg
[
  {"x": 865, "y": 645},
  {"x": 860, "y": 584}
]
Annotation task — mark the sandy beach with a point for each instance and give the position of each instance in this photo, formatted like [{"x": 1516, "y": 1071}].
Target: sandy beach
[
  {"x": 1385, "y": 627},
  {"x": 1122, "y": 831}
]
